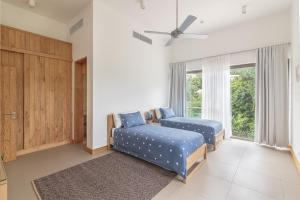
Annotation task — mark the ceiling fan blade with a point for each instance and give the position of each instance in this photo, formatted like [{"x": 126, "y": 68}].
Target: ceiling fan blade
[
  {"x": 193, "y": 36},
  {"x": 187, "y": 22},
  {"x": 170, "y": 42},
  {"x": 158, "y": 32}
]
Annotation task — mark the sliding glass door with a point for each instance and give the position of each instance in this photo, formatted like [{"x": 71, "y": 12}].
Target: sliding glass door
[
  {"x": 243, "y": 101},
  {"x": 242, "y": 79},
  {"x": 194, "y": 94}
]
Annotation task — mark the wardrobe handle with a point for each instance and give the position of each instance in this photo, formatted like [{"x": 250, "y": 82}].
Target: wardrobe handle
[{"x": 13, "y": 115}]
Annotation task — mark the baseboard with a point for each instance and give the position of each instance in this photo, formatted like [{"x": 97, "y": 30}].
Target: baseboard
[
  {"x": 42, "y": 147},
  {"x": 296, "y": 161},
  {"x": 96, "y": 151}
]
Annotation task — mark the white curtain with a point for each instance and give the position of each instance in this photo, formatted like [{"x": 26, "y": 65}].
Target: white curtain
[
  {"x": 272, "y": 118},
  {"x": 177, "y": 88},
  {"x": 216, "y": 91}
]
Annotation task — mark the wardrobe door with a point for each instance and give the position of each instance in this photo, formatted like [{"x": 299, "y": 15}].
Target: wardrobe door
[
  {"x": 63, "y": 103},
  {"x": 11, "y": 104},
  {"x": 58, "y": 100},
  {"x": 34, "y": 101},
  {"x": 50, "y": 69},
  {"x": 47, "y": 105}
]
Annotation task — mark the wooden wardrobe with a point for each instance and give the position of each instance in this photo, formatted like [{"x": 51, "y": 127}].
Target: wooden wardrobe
[{"x": 35, "y": 92}]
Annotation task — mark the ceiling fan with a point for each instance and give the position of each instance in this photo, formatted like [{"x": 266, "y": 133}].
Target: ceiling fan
[{"x": 179, "y": 31}]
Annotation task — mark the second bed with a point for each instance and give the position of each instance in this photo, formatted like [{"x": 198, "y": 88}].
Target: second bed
[{"x": 212, "y": 131}]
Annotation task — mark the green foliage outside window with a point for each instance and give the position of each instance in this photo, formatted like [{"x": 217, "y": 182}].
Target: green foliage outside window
[
  {"x": 243, "y": 102},
  {"x": 194, "y": 95}
]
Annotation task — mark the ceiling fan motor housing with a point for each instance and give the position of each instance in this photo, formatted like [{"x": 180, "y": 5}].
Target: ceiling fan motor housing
[{"x": 176, "y": 33}]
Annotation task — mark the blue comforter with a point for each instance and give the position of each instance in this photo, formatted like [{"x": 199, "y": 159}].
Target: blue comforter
[
  {"x": 208, "y": 128},
  {"x": 165, "y": 147}
]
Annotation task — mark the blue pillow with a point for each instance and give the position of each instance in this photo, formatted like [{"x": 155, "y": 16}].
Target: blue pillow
[
  {"x": 132, "y": 119},
  {"x": 167, "y": 113}
]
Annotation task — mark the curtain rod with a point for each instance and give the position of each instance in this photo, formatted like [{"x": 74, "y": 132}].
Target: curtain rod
[{"x": 236, "y": 52}]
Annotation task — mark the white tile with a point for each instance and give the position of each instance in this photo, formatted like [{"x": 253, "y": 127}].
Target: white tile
[
  {"x": 170, "y": 191},
  {"x": 229, "y": 157},
  {"x": 262, "y": 153},
  {"x": 242, "y": 193},
  {"x": 291, "y": 178},
  {"x": 209, "y": 187},
  {"x": 292, "y": 192},
  {"x": 260, "y": 182},
  {"x": 177, "y": 190},
  {"x": 285, "y": 171},
  {"x": 219, "y": 169}
]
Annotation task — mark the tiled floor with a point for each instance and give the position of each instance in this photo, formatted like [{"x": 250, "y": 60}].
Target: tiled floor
[{"x": 238, "y": 170}]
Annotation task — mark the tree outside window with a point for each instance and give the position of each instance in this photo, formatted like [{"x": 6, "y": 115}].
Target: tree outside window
[
  {"x": 243, "y": 102},
  {"x": 194, "y": 94}
]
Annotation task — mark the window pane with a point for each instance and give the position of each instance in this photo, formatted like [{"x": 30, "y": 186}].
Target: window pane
[
  {"x": 194, "y": 94},
  {"x": 243, "y": 102}
]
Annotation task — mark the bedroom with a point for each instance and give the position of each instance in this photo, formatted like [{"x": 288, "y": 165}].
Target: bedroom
[{"x": 122, "y": 74}]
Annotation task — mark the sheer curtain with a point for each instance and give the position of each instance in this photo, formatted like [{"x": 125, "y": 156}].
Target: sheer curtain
[
  {"x": 177, "y": 88},
  {"x": 272, "y": 118},
  {"x": 216, "y": 91}
]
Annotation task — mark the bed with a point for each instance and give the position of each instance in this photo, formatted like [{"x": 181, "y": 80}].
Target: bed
[
  {"x": 212, "y": 131},
  {"x": 175, "y": 150}
]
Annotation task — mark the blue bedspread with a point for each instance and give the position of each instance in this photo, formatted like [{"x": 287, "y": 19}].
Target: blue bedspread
[
  {"x": 165, "y": 147},
  {"x": 208, "y": 128}
]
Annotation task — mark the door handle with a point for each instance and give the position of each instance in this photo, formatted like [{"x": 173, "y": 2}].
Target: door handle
[{"x": 12, "y": 114}]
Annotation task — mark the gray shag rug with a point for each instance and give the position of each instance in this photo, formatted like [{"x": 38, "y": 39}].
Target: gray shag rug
[{"x": 114, "y": 176}]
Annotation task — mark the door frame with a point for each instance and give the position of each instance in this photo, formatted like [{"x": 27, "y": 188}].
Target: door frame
[{"x": 80, "y": 69}]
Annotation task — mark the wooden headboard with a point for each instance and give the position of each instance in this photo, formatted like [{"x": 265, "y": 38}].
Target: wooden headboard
[
  {"x": 154, "y": 117},
  {"x": 110, "y": 126},
  {"x": 149, "y": 121}
]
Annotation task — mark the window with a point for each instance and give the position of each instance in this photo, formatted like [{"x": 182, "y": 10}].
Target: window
[
  {"x": 243, "y": 101},
  {"x": 194, "y": 94}
]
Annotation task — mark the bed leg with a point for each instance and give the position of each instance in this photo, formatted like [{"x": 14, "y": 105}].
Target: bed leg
[{"x": 181, "y": 179}]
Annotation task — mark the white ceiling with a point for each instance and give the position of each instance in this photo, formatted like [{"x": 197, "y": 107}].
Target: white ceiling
[
  {"x": 160, "y": 14},
  {"x": 60, "y": 10}
]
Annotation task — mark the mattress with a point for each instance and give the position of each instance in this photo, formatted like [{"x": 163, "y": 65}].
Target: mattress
[
  {"x": 208, "y": 128},
  {"x": 166, "y": 147}
]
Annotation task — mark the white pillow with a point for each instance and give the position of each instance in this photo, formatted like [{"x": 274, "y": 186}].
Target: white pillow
[
  {"x": 158, "y": 113},
  {"x": 117, "y": 118},
  {"x": 144, "y": 117}
]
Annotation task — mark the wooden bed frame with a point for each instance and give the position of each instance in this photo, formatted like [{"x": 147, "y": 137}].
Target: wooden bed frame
[
  {"x": 219, "y": 137},
  {"x": 193, "y": 162}
]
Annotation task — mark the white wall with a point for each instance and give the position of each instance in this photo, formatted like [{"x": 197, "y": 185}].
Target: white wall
[
  {"x": 295, "y": 30},
  {"x": 266, "y": 31},
  {"x": 127, "y": 73},
  {"x": 19, "y": 18},
  {"x": 82, "y": 41}
]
